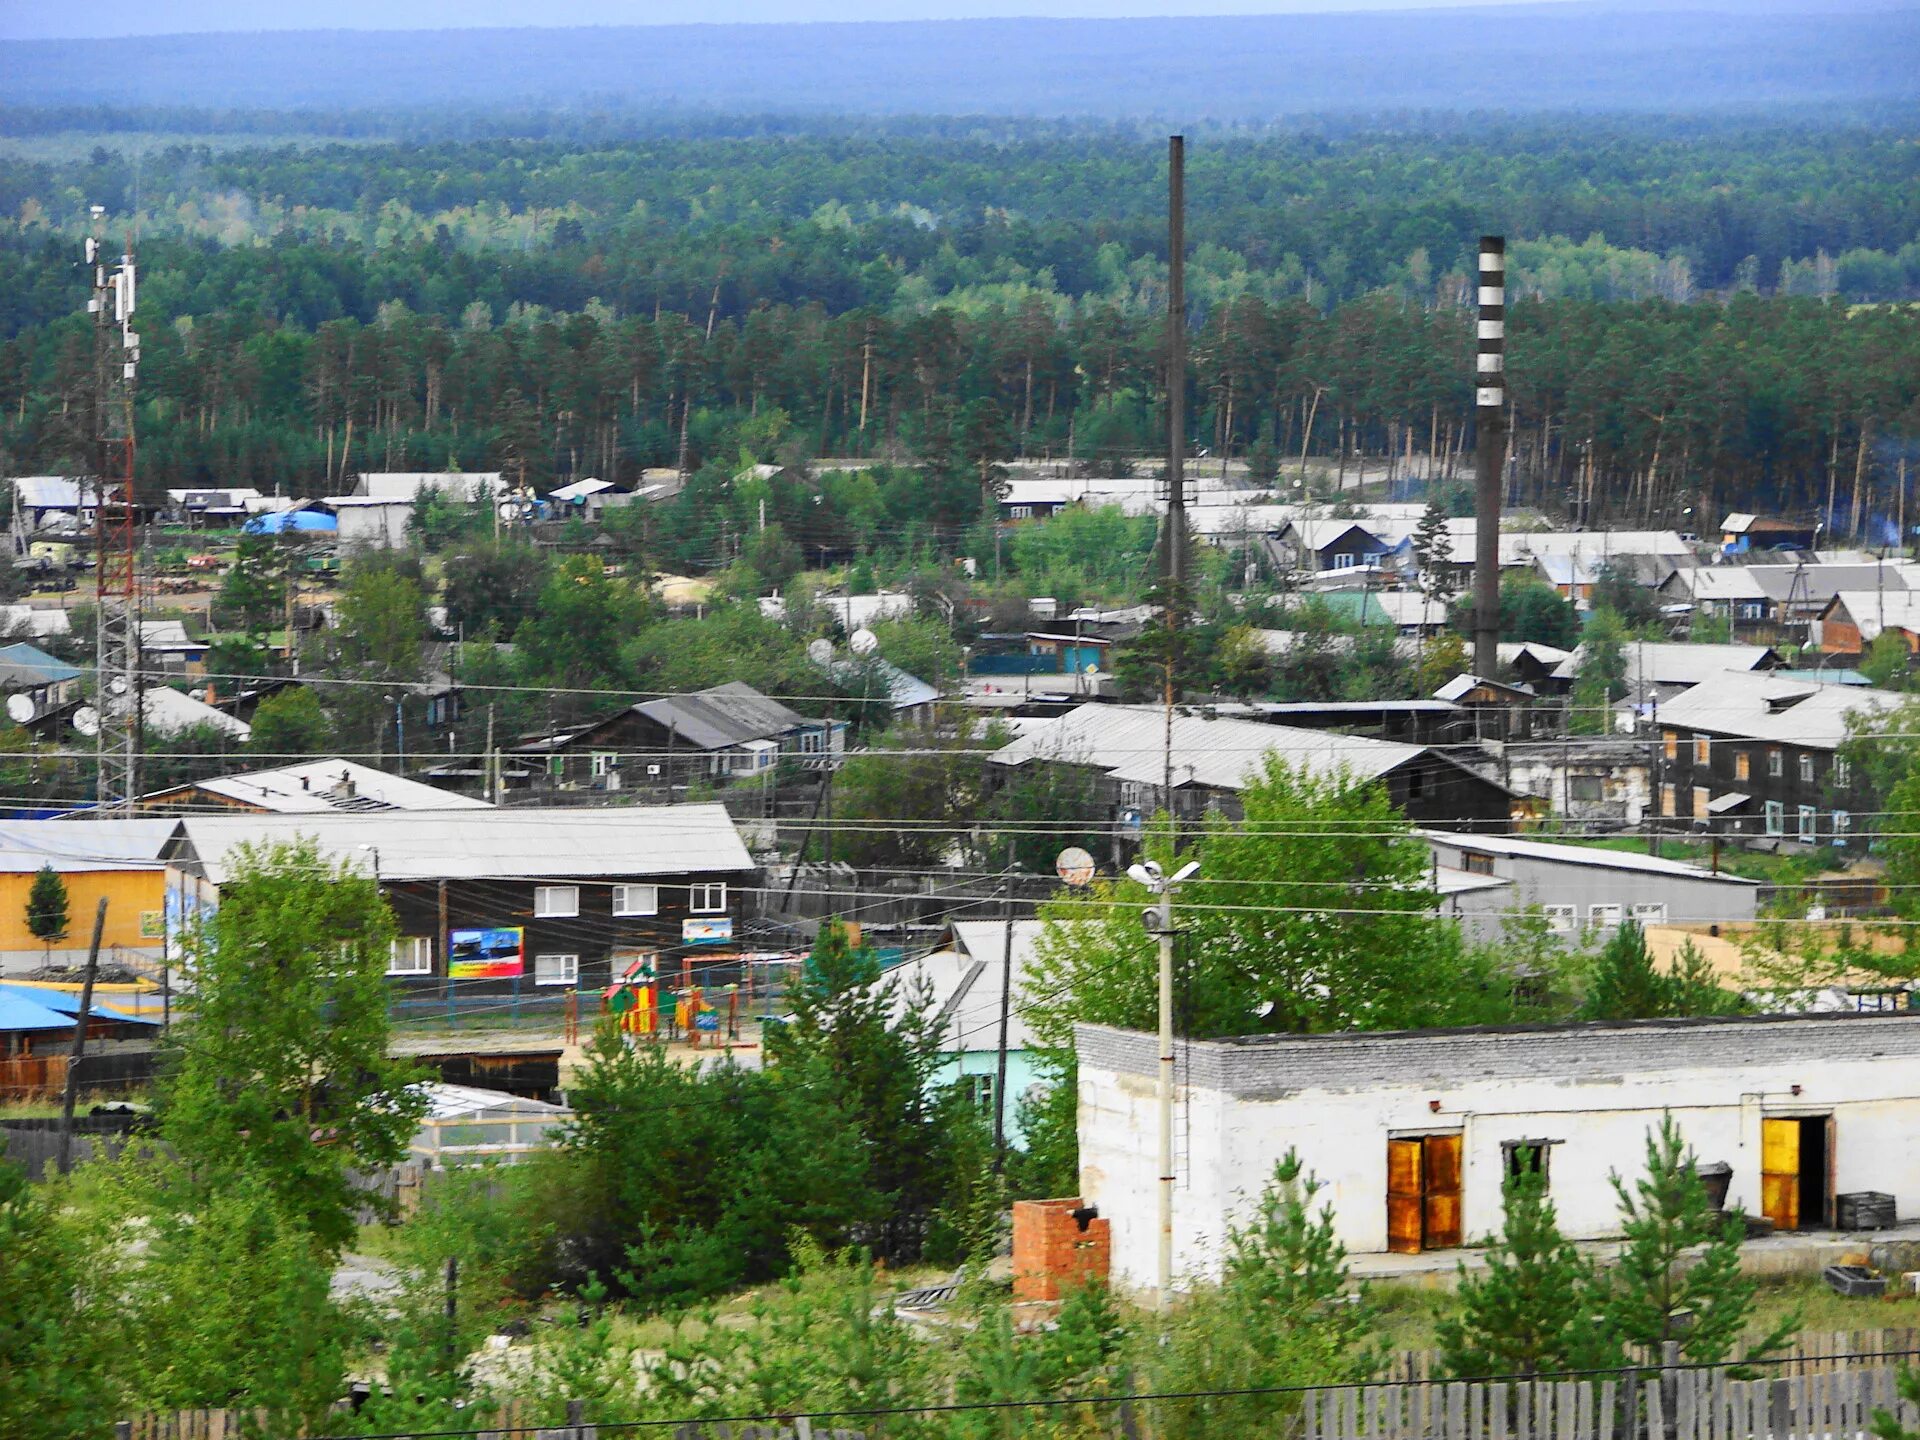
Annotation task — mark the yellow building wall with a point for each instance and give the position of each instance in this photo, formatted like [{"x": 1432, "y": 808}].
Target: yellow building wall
[{"x": 136, "y": 905}]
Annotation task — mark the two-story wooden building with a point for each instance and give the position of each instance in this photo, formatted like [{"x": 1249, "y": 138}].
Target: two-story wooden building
[
  {"x": 1747, "y": 753},
  {"x": 522, "y": 901}
]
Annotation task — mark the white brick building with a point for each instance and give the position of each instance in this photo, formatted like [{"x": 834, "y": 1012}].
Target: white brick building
[{"x": 1835, "y": 1101}]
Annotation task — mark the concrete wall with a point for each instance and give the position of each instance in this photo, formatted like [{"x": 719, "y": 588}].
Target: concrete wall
[{"x": 1597, "y": 1089}]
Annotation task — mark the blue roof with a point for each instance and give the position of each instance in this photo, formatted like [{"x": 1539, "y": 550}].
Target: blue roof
[
  {"x": 32, "y": 657},
  {"x": 67, "y": 1003},
  {"x": 18, "y": 1013},
  {"x": 278, "y": 522}
]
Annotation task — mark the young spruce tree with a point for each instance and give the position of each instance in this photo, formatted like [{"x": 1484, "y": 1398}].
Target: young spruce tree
[
  {"x": 47, "y": 917},
  {"x": 1530, "y": 1312}
]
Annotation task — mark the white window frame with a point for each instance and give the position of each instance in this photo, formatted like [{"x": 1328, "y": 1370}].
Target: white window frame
[
  {"x": 1776, "y": 822},
  {"x": 624, "y": 904},
  {"x": 1809, "y": 824},
  {"x": 1776, "y": 764},
  {"x": 1806, "y": 769},
  {"x": 700, "y": 897},
  {"x": 547, "y": 907},
  {"x": 1650, "y": 912},
  {"x": 1345, "y": 561},
  {"x": 1020, "y": 512},
  {"x": 565, "y": 963},
  {"x": 417, "y": 948},
  {"x": 1842, "y": 770},
  {"x": 1561, "y": 919},
  {"x": 1842, "y": 824},
  {"x": 603, "y": 761},
  {"x": 1606, "y": 916}
]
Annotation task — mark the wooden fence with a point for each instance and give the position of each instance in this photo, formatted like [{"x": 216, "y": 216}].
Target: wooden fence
[
  {"x": 1678, "y": 1405},
  {"x": 1813, "y": 1351},
  {"x": 514, "y": 1422}
]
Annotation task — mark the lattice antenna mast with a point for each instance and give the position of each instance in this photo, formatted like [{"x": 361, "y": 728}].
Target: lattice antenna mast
[{"x": 117, "y": 700}]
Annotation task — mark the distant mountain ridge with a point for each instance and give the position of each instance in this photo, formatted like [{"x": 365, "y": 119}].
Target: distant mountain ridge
[{"x": 1591, "y": 57}]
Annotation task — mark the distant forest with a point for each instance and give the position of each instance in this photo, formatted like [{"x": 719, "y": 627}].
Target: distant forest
[
  {"x": 1648, "y": 58},
  {"x": 1707, "y": 310}
]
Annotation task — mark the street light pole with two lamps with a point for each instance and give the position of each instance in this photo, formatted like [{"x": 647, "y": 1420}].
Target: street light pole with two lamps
[{"x": 1158, "y": 918}]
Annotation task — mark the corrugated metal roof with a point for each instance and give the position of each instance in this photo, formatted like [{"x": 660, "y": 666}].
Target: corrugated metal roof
[
  {"x": 67, "y": 1002},
  {"x": 317, "y": 787},
  {"x": 1586, "y": 856},
  {"x": 1663, "y": 663},
  {"x": 1870, "y": 610},
  {"x": 1752, "y": 705},
  {"x": 493, "y": 843},
  {"x": 17, "y": 1013},
  {"x": 32, "y": 658},
  {"x": 405, "y": 484},
  {"x": 729, "y": 714},
  {"x": 81, "y": 841},
  {"x": 1128, "y": 742},
  {"x": 966, "y": 983},
  {"x": 447, "y": 1102}
]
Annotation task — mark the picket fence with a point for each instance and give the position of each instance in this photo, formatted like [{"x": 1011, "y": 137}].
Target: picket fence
[
  {"x": 1676, "y": 1405},
  {"x": 1813, "y": 1350}
]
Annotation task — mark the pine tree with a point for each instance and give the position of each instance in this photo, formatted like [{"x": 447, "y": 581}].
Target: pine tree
[
  {"x": 1659, "y": 1290},
  {"x": 1433, "y": 553},
  {"x": 1625, "y": 984},
  {"x": 1529, "y": 1312},
  {"x": 47, "y": 917}
]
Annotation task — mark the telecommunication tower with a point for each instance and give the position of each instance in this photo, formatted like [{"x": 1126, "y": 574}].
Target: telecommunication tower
[{"x": 117, "y": 697}]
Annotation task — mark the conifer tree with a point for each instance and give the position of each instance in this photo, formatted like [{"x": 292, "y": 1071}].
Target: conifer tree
[
  {"x": 1625, "y": 984},
  {"x": 1658, "y": 1290},
  {"x": 1529, "y": 1313},
  {"x": 47, "y": 916}
]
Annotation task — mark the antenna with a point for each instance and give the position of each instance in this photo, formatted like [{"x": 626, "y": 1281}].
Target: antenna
[{"x": 117, "y": 638}]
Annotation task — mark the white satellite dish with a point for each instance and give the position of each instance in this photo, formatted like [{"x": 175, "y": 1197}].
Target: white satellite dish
[
  {"x": 87, "y": 720},
  {"x": 820, "y": 651},
  {"x": 20, "y": 708},
  {"x": 863, "y": 641},
  {"x": 1074, "y": 866},
  {"x": 118, "y": 685}
]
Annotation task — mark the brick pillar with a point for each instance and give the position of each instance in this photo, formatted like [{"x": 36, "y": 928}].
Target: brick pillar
[{"x": 1053, "y": 1251}]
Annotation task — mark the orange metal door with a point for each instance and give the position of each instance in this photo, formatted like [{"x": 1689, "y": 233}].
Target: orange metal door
[
  {"x": 1780, "y": 1173},
  {"x": 1405, "y": 1177},
  {"x": 1443, "y": 1220}
]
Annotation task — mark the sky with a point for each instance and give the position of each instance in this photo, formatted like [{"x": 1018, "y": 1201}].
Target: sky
[{"x": 53, "y": 19}]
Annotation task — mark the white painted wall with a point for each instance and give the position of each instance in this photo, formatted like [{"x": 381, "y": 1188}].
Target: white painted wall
[{"x": 1721, "y": 1079}]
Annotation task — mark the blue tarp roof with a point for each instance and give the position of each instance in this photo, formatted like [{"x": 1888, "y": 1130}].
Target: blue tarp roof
[
  {"x": 278, "y": 522},
  {"x": 67, "y": 1003},
  {"x": 18, "y": 1013}
]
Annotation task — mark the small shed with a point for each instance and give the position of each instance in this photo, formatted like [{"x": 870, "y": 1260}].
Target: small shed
[{"x": 465, "y": 1125}]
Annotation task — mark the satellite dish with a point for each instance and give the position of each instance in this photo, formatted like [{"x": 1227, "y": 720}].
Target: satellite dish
[
  {"x": 87, "y": 720},
  {"x": 20, "y": 708},
  {"x": 863, "y": 641},
  {"x": 820, "y": 651},
  {"x": 1074, "y": 866},
  {"x": 118, "y": 685}
]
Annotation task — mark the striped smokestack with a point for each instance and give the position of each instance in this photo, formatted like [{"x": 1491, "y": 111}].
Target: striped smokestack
[{"x": 1490, "y": 400}]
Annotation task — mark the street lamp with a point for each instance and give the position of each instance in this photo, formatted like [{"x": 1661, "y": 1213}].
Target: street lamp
[
  {"x": 1158, "y": 918},
  {"x": 374, "y": 851}
]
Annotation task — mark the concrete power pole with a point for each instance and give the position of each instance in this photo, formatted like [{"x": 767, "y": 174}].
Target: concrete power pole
[{"x": 1490, "y": 416}]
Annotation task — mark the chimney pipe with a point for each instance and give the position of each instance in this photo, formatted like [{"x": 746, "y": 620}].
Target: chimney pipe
[{"x": 1490, "y": 399}]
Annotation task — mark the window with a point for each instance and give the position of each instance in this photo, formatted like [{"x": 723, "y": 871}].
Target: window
[
  {"x": 1587, "y": 787},
  {"x": 1842, "y": 824},
  {"x": 708, "y": 899},
  {"x": 636, "y": 899},
  {"x": 1776, "y": 818},
  {"x": 1603, "y": 917},
  {"x": 1666, "y": 799},
  {"x": 1743, "y": 766},
  {"x": 556, "y": 902},
  {"x": 1527, "y": 1157},
  {"x": 1475, "y": 863},
  {"x": 1651, "y": 913},
  {"x": 1673, "y": 744},
  {"x": 1842, "y": 771},
  {"x": 978, "y": 1092},
  {"x": 1345, "y": 562},
  {"x": 603, "y": 761},
  {"x": 1752, "y": 610},
  {"x": 410, "y": 955},
  {"x": 1806, "y": 769},
  {"x": 1561, "y": 919},
  {"x": 1809, "y": 823},
  {"x": 1776, "y": 764},
  {"x": 1702, "y": 750},
  {"x": 1701, "y": 798},
  {"x": 811, "y": 742},
  {"x": 1020, "y": 512},
  {"x": 556, "y": 969}
]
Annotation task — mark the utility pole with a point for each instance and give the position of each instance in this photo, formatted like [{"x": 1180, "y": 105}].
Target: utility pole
[
  {"x": 1173, "y": 540},
  {"x": 1490, "y": 397},
  {"x": 1006, "y": 1008},
  {"x": 79, "y": 1050}
]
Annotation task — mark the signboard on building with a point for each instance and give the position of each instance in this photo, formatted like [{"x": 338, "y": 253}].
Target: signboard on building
[
  {"x": 487, "y": 954},
  {"x": 713, "y": 931}
]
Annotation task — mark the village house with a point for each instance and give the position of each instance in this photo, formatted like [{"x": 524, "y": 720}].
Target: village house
[
  {"x": 1854, "y": 619},
  {"x": 1121, "y": 749},
  {"x": 311, "y": 787},
  {"x": 115, "y": 859},
  {"x": 522, "y": 902},
  {"x": 1414, "y": 1133},
  {"x": 1757, "y": 755}
]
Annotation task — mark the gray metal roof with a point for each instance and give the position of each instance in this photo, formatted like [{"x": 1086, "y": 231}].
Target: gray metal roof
[
  {"x": 316, "y": 787},
  {"x": 489, "y": 844},
  {"x": 1665, "y": 663},
  {"x": 964, "y": 984},
  {"x": 729, "y": 714},
  {"x": 1128, "y": 742},
  {"x": 1585, "y": 856},
  {"x": 82, "y": 842},
  {"x": 1753, "y": 705}
]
